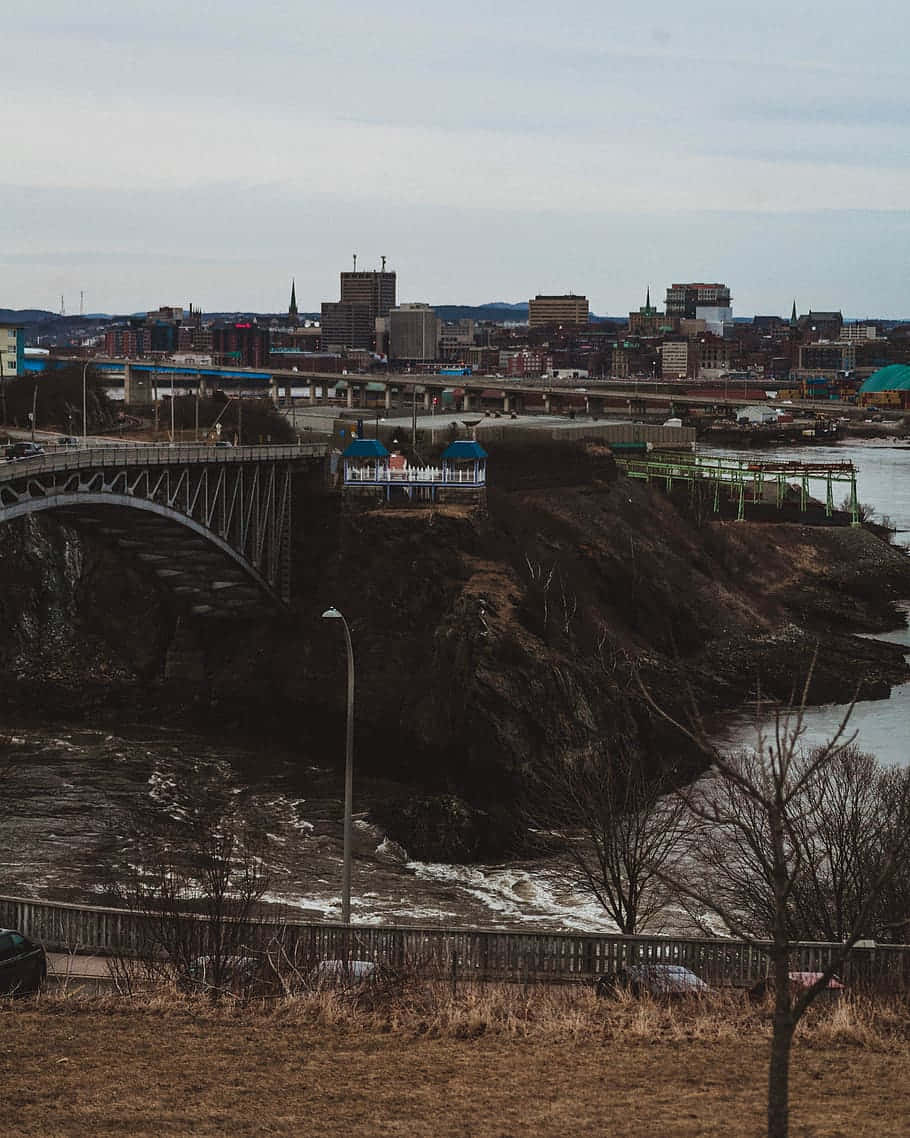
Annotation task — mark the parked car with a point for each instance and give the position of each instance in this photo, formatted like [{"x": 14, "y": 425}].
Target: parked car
[
  {"x": 17, "y": 451},
  {"x": 224, "y": 443},
  {"x": 23, "y": 964},
  {"x": 240, "y": 975},
  {"x": 355, "y": 977},
  {"x": 661, "y": 980},
  {"x": 67, "y": 441}
]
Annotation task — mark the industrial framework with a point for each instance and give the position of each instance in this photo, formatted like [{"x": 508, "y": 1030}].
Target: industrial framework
[
  {"x": 214, "y": 525},
  {"x": 746, "y": 480}
]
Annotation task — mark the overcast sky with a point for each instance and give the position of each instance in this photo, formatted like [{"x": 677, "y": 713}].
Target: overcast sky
[{"x": 168, "y": 153}]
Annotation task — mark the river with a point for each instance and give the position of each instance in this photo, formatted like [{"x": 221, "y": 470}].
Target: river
[
  {"x": 883, "y": 483},
  {"x": 72, "y": 796}
]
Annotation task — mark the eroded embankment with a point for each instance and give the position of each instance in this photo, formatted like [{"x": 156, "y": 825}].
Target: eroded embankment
[{"x": 484, "y": 641}]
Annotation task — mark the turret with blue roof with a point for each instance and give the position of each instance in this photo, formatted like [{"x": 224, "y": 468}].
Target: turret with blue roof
[{"x": 464, "y": 460}]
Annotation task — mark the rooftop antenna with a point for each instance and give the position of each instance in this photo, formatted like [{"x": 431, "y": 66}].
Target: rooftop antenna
[
  {"x": 355, "y": 262},
  {"x": 62, "y": 306},
  {"x": 81, "y": 302},
  {"x": 383, "y": 264}
]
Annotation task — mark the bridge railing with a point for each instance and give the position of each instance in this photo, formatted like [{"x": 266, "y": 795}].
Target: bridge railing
[
  {"x": 483, "y": 954},
  {"x": 112, "y": 454}
]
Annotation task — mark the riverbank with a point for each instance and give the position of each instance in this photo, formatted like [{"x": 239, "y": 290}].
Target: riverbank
[{"x": 507, "y": 1062}]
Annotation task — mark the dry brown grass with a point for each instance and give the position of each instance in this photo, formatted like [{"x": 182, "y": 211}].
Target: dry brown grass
[{"x": 490, "y": 1061}]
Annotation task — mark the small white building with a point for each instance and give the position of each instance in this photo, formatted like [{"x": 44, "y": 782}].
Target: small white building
[{"x": 757, "y": 413}]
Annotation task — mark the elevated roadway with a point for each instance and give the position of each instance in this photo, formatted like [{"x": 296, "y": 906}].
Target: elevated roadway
[{"x": 594, "y": 395}]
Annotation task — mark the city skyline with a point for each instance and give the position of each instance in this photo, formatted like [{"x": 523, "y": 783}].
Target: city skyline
[{"x": 171, "y": 153}]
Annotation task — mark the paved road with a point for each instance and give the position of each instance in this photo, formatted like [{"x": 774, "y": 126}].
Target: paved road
[{"x": 61, "y": 965}]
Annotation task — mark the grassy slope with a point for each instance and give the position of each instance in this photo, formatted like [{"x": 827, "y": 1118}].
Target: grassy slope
[{"x": 82, "y": 1067}]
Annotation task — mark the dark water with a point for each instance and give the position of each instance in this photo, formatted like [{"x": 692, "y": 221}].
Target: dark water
[
  {"x": 71, "y": 799},
  {"x": 883, "y": 482},
  {"x": 74, "y": 798}
]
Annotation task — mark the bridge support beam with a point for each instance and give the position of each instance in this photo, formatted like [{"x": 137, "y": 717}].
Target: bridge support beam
[
  {"x": 350, "y": 395},
  {"x": 387, "y": 396},
  {"x": 466, "y": 405}
]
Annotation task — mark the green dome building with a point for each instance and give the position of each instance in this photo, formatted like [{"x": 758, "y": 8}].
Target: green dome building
[{"x": 887, "y": 387}]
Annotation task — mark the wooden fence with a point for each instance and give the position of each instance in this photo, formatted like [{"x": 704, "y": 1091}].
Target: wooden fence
[{"x": 481, "y": 954}]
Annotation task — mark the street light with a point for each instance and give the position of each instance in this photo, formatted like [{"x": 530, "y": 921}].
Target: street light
[
  {"x": 85, "y": 367},
  {"x": 334, "y": 614}
]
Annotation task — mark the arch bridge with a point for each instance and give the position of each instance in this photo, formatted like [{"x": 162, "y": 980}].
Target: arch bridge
[{"x": 213, "y": 524}]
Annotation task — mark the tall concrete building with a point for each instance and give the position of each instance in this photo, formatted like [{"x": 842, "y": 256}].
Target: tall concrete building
[
  {"x": 375, "y": 289},
  {"x": 365, "y": 297},
  {"x": 12, "y": 350},
  {"x": 413, "y": 333},
  {"x": 346, "y": 325},
  {"x": 683, "y": 300},
  {"x": 566, "y": 309}
]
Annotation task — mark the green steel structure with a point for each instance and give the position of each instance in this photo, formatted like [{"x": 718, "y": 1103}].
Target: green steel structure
[{"x": 749, "y": 480}]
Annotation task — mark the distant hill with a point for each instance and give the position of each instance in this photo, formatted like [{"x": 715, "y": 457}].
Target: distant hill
[
  {"x": 25, "y": 315},
  {"x": 497, "y": 312}
]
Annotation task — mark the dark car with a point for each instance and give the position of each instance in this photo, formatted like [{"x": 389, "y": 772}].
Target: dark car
[
  {"x": 661, "y": 980},
  {"x": 67, "y": 441},
  {"x": 223, "y": 443},
  {"x": 23, "y": 964},
  {"x": 17, "y": 451}
]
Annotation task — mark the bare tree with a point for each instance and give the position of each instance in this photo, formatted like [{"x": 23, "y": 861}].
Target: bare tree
[
  {"x": 768, "y": 844},
  {"x": 623, "y": 827},
  {"x": 197, "y": 879}
]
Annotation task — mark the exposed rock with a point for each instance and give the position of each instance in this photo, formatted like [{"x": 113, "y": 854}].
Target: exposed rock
[{"x": 484, "y": 641}]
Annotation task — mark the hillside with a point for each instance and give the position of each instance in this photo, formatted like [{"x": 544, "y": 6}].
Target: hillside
[{"x": 484, "y": 642}]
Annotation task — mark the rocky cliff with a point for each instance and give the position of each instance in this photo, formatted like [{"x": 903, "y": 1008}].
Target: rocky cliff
[{"x": 484, "y": 640}]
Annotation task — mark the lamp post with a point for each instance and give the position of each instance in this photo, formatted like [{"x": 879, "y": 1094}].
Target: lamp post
[
  {"x": 334, "y": 614},
  {"x": 84, "y": 405}
]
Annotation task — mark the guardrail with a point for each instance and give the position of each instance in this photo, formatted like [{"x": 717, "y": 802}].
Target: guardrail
[
  {"x": 482, "y": 954},
  {"x": 112, "y": 454}
]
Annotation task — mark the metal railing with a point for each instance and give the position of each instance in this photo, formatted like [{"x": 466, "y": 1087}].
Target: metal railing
[
  {"x": 482, "y": 954},
  {"x": 113, "y": 454}
]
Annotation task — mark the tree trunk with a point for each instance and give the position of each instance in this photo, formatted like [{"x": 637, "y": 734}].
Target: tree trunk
[{"x": 781, "y": 1042}]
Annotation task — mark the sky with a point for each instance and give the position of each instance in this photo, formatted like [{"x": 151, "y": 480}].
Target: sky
[{"x": 165, "y": 153}]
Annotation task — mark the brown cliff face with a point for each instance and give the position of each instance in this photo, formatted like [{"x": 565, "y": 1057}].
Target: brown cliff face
[{"x": 483, "y": 641}]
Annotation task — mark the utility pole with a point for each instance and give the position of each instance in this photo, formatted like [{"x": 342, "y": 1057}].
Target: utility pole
[
  {"x": 34, "y": 408},
  {"x": 3, "y": 388}
]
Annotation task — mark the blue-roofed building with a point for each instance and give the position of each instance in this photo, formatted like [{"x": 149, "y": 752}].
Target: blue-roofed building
[{"x": 460, "y": 470}]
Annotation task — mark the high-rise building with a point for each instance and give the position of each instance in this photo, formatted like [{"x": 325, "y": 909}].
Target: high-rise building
[
  {"x": 684, "y": 299},
  {"x": 413, "y": 333},
  {"x": 346, "y": 325},
  {"x": 568, "y": 309},
  {"x": 365, "y": 297},
  {"x": 12, "y": 350},
  {"x": 376, "y": 289}
]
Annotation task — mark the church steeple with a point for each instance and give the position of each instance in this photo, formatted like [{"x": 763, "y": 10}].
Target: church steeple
[
  {"x": 794, "y": 319},
  {"x": 648, "y": 298},
  {"x": 292, "y": 307}
]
